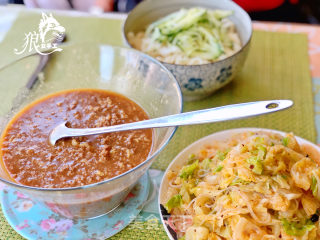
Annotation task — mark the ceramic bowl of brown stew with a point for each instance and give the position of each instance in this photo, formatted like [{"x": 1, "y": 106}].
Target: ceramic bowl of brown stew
[{"x": 88, "y": 86}]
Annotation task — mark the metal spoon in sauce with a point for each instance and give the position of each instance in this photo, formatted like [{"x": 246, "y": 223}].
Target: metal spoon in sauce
[{"x": 229, "y": 112}]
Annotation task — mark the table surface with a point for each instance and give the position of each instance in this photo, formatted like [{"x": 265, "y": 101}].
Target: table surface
[{"x": 9, "y": 13}]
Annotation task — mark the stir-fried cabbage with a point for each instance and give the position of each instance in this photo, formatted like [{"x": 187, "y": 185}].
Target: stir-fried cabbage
[{"x": 258, "y": 186}]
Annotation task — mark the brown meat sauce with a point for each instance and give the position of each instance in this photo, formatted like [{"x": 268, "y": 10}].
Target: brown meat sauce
[{"x": 31, "y": 160}]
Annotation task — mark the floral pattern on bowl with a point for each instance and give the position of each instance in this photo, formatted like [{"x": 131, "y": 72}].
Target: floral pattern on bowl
[
  {"x": 200, "y": 81},
  {"x": 34, "y": 221},
  {"x": 193, "y": 84},
  {"x": 225, "y": 73}
]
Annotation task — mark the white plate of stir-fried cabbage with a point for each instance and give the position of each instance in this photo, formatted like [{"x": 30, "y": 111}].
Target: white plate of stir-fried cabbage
[{"x": 243, "y": 184}]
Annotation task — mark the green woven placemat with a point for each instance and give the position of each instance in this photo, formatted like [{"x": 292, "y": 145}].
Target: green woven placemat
[
  {"x": 79, "y": 29},
  {"x": 137, "y": 231},
  {"x": 277, "y": 67}
]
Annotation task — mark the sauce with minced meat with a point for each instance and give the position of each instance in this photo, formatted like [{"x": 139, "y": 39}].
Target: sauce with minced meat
[{"x": 30, "y": 159}]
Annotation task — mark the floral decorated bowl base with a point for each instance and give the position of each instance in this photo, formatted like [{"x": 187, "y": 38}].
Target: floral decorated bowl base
[
  {"x": 33, "y": 221},
  {"x": 200, "y": 81}
]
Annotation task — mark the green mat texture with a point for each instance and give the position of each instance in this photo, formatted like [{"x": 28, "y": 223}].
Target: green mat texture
[{"x": 277, "y": 68}]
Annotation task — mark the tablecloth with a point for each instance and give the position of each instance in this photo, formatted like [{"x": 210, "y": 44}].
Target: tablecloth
[{"x": 262, "y": 69}]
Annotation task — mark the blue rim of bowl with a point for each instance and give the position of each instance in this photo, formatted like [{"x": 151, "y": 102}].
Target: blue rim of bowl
[
  {"x": 136, "y": 167},
  {"x": 195, "y": 65}
]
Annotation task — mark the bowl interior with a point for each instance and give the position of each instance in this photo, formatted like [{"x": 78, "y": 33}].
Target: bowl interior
[
  {"x": 121, "y": 70},
  {"x": 149, "y": 11},
  {"x": 182, "y": 158}
]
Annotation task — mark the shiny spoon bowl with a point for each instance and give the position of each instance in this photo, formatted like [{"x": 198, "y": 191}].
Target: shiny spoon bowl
[{"x": 225, "y": 113}]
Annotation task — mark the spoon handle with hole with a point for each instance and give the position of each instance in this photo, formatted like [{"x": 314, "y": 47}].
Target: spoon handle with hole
[{"x": 225, "y": 113}]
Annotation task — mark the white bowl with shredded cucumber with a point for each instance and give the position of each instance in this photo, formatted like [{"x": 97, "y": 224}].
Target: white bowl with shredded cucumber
[{"x": 204, "y": 43}]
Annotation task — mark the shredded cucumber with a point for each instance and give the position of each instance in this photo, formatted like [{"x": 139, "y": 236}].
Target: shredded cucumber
[{"x": 198, "y": 32}]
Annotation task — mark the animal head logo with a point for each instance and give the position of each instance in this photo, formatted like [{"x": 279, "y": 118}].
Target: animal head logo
[
  {"x": 45, "y": 40},
  {"x": 50, "y": 29}
]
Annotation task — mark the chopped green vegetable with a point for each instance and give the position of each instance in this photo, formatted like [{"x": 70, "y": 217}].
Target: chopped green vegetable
[
  {"x": 285, "y": 141},
  {"x": 192, "y": 156},
  {"x": 262, "y": 151},
  {"x": 205, "y": 164},
  {"x": 239, "y": 181},
  {"x": 218, "y": 169},
  {"x": 182, "y": 21},
  {"x": 220, "y": 14},
  {"x": 259, "y": 140},
  {"x": 188, "y": 170},
  {"x": 198, "y": 32},
  {"x": 184, "y": 191},
  {"x": 182, "y": 238},
  {"x": 314, "y": 186},
  {"x": 255, "y": 164},
  {"x": 284, "y": 177},
  {"x": 222, "y": 155},
  {"x": 173, "y": 202},
  {"x": 297, "y": 228}
]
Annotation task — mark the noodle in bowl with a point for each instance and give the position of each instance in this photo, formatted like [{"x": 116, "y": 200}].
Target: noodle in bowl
[
  {"x": 246, "y": 183},
  {"x": 204, "y": 36}
]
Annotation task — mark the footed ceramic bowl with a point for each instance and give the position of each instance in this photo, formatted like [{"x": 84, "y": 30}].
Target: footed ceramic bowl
[{"x": 196, "y": 81}]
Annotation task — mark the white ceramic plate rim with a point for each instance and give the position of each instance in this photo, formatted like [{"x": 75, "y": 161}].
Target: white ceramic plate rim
[{"x": 223, "y": 135}]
